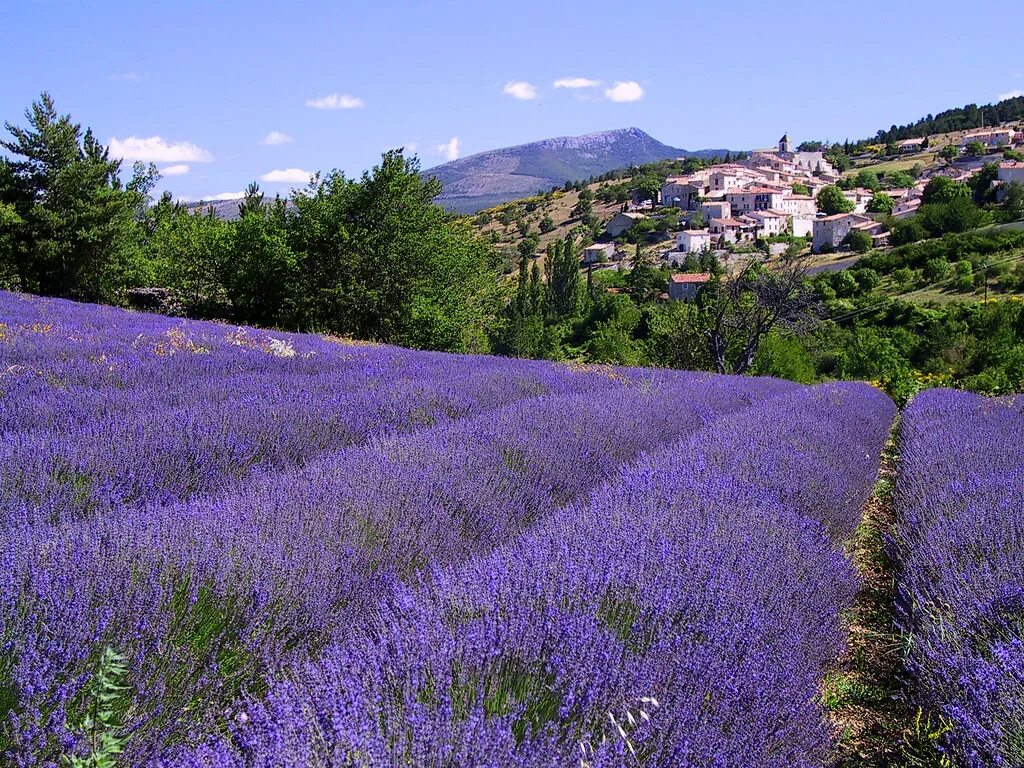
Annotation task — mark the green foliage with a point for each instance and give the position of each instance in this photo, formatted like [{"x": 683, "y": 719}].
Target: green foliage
[
  {"x": 801, "y": 189},
  {"x": 648, "y": 186},
  {"x": 105, "y": 702},
  {"x": 907, "y": 231},
  {"x": 585, "y": 206},
  {"x": 858, "y": 240},
  {"x": 942, "y": 189},
  {"x": 936, "y": 269},
  {"x": 562, "y": 265},
  {"x": 881, "y": 203},
  {"x": 785, "y": 357},
  {"x": 1013, "y": 201},
  {"x": 958, "y": 215},
  {"x": 831, "y": 200},
  {"x": 71, "y": 227},
  {"x": 899, "y": 180},
  {"x": 975, "y": 149},
  {"x": 867, "y": 179}
]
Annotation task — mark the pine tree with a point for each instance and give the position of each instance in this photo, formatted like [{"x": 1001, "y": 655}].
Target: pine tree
[
  {"x": 79, "y": 225},
  {"x": 564, "y": 280}
]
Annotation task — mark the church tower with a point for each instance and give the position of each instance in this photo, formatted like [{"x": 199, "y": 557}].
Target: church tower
[{"x": 785, "y": 145}]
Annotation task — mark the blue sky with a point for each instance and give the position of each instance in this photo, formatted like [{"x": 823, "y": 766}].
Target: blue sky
[{"x": 224, "y": 93}]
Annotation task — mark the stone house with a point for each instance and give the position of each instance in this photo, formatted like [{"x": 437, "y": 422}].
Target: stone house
[
  {"x": 830, "y": 231},
  {"x": 685, "y": 287},
  {"x": 622, "y": 222}
]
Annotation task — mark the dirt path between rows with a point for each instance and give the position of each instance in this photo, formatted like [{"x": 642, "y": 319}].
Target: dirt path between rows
[{"x": 863, "y": 695}]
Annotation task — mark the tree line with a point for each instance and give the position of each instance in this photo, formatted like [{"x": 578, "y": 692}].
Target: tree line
[{"x": 372, "y": 257}]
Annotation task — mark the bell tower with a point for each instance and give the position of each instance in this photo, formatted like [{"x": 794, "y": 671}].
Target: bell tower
[{"x": 785, "y": 145}]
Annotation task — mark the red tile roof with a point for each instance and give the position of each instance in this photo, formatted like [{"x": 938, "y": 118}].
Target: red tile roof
[{"x": 691, "y": 277}]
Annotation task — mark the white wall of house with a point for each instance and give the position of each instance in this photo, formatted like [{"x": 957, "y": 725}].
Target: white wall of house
[
  {"x": 716, "y": 209},
  {"x": 597, "y": 253},
  {"x": 769, "y": 224},
  {"x": 1009, "y": 172},
  {"x": 803, "y": 226},
  {"x": 799, "y": 205},
  {"x": 693, "y": 240}
]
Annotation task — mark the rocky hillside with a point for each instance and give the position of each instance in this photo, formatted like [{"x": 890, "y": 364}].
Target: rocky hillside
[{"x": 489, "y": 178}]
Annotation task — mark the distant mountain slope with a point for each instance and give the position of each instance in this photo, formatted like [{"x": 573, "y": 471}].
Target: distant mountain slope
[
  {"x": 489, "y": 178},
  {"x": 222, "y": 209}
]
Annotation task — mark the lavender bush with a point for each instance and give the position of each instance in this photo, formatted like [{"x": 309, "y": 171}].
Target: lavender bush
[
  {"x": 269, "y": 549},
  {"x": 960, "y": 546},
  {"x": 707, "y": 577}
]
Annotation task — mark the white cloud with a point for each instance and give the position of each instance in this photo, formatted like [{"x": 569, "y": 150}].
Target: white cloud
[
  {"x": 287, "y": 176},
  {"x": 154, "y": 149},
  {"x": 276, "y": 138},
  {"x": 174, "y": 170},
  {"x": 222, "y": 196},
  {"x": 1010, "y": 94},
  {"x": 449, "y": 150},
  {"x": 130, "y": 77},
  {"x": 520, "y": 90},
  {"x": 576, "y": 82},
  {"x": 628, "y": 90},
  {"x": 335, "y": 101}
]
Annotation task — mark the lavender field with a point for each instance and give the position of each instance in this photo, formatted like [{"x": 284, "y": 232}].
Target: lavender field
[{"x": 228, "y": 547}]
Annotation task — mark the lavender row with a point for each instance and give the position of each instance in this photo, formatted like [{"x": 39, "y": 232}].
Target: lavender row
[
  {"x": 287, "y": 563},
  {"x": 960, "y": 551},
  {"x": 85, "y": 432},
  {"x": 682, "y": 615}
]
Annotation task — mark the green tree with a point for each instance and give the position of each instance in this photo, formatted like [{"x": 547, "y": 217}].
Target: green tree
[
  {"x": 1013, "y": 201},
  {"x": 378, "y": 260},
  {"x": 942, "y": 189},
  {"x": 867, "y": 179},
  {"x": 194, "y": 256},
  {"x": 899, "y": 180},
  {"x": 784, "y": 356},
  {"x": 585, "y": 205},
  {"x": 563, "y": 266},
  {"x": 976, "y": 149},
  {"x": 906, "y": 231},
  {"x": 958, "y": 215},
  {"x": 648, "y": 186},
  {"x": 801, "y": 189},
  {"x": 858, "y": 240},
  {"x": 261, "y": 282},
  {"x": 75, "y": 226},
  {"x": 881, "y": 203},
  {"x": 832, "y": 201},
  {"x": 936, "y": 269}
]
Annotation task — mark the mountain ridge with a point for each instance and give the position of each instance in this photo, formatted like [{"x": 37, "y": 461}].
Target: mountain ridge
[
  {"x": 496, "y": 176},
  {"x": 499, "y": 175}
]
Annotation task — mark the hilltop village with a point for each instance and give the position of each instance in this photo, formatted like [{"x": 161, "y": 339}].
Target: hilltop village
[
  {"x": 777, "y": 191},
  {"x": 808, "y": 198}
]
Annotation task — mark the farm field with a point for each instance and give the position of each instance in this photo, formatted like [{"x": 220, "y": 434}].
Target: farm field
[{"x": 222, "y": 547}]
